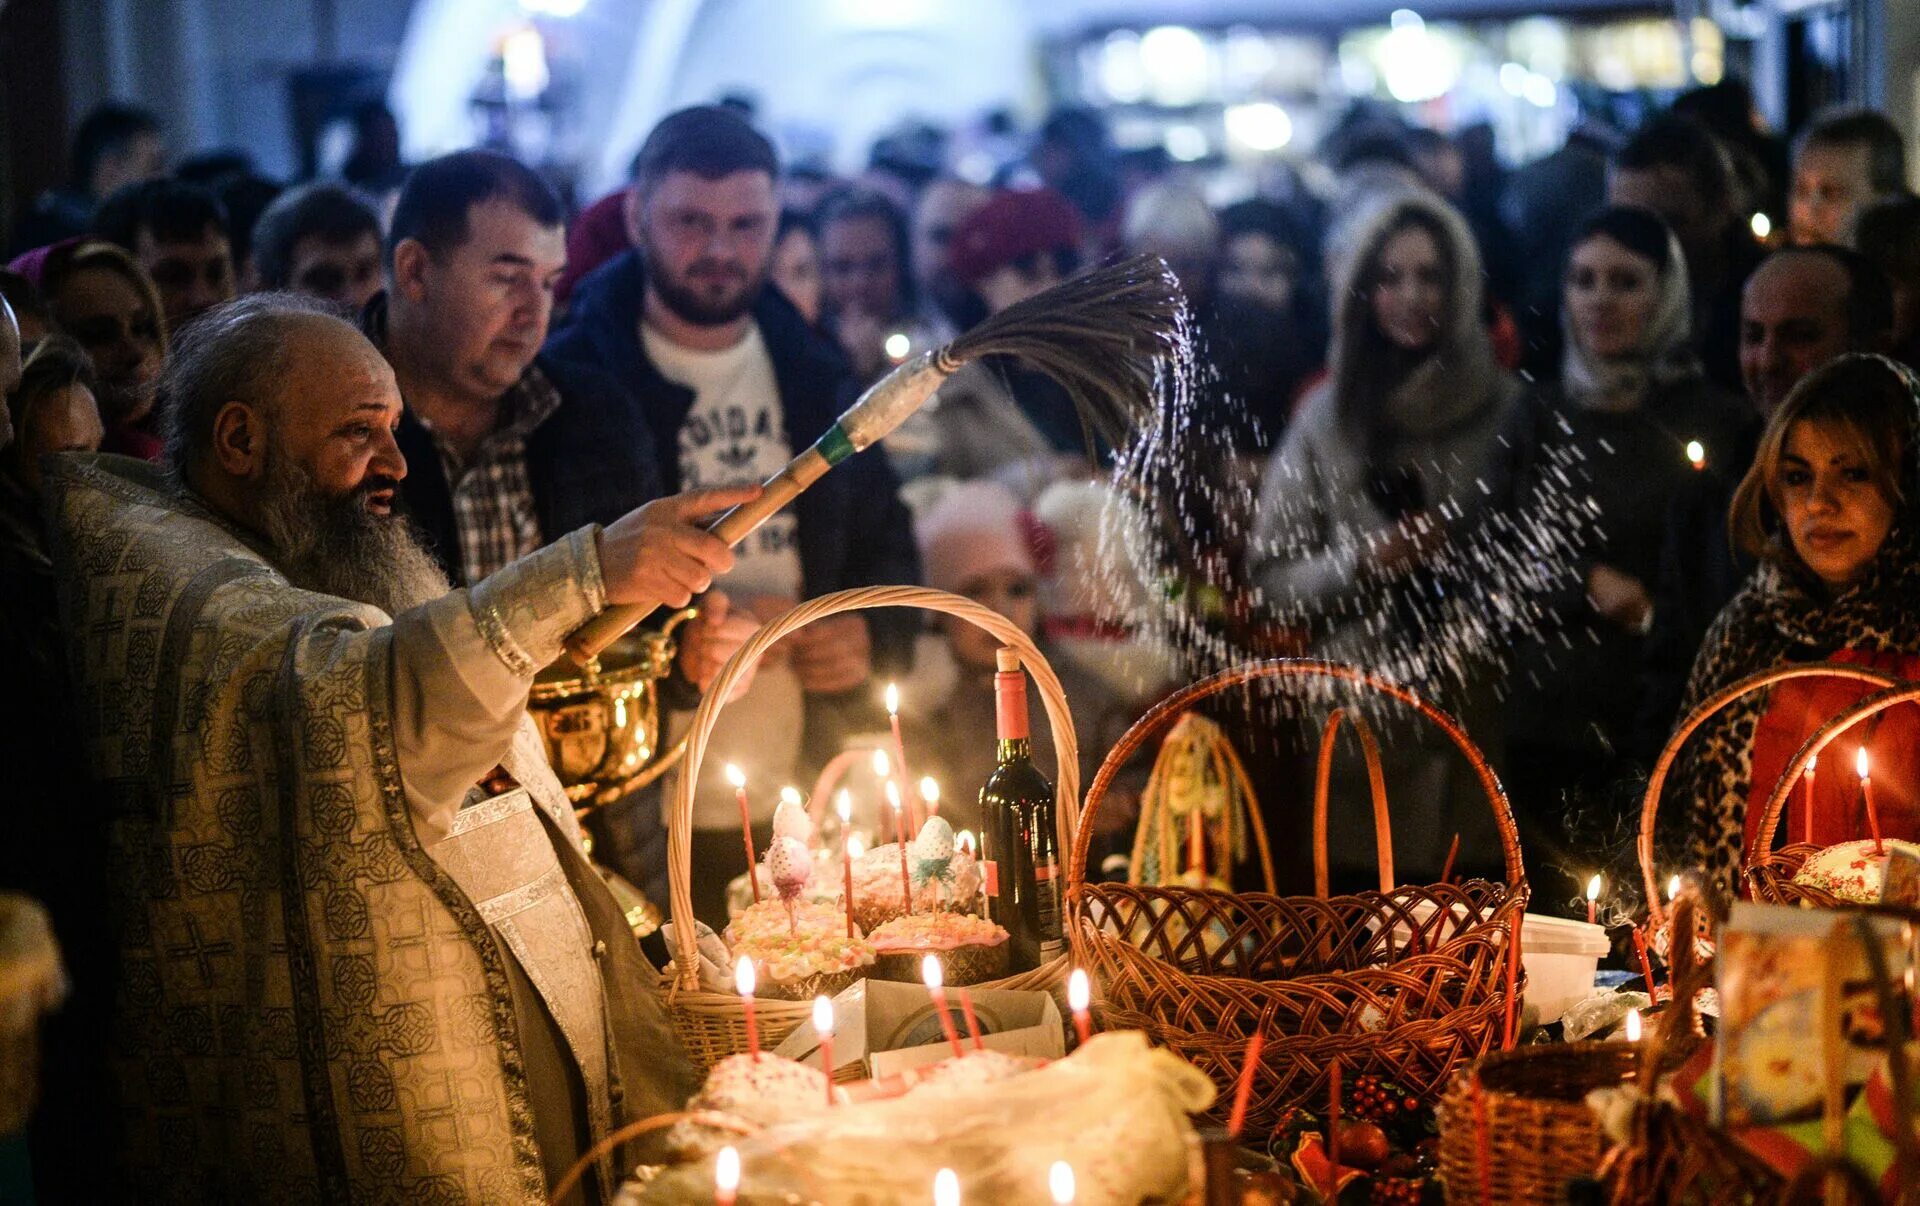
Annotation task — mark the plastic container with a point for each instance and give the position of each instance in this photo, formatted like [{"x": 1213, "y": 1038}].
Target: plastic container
[{"x": 1561, "y": 956}]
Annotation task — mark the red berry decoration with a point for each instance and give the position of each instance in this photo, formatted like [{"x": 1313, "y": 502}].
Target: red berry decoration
[
  {"x": 1362, "y": 1144},
  {"x": 1396, "y": 1191}
]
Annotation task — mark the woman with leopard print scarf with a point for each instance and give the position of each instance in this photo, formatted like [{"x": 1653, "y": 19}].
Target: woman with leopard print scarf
[{"x": 1831, "y": 507}]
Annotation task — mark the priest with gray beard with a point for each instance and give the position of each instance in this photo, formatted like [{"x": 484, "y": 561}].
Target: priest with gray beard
[{"x": 361, "y": 955}]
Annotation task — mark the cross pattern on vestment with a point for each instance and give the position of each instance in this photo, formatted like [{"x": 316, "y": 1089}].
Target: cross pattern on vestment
[
  {"x": 201, "y": 950},
  {"x": 409, "y": 930},
  {"x": 440, "y": 1102}
]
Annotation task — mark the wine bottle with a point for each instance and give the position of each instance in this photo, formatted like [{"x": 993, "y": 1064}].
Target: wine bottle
[{"x": 1019, "y": 848}]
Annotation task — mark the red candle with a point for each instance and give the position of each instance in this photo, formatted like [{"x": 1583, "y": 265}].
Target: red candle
[
  {"x": 738, "y": 778},
  {"x": 1866, "y": 794},
  {"x": 1593, "y": 897},
  {"x": 900, "y": 750},
  {"x": 1646, "y": 965},
  {"x": 1243, "y": 1084},
  {"x": 931, "y": 972},
  {"x": 900, "y": 836},
  {"x": 1453, "y": 851},
  {"x": 743, "y": 981},
  {"x": 973, "y": 1023},
  {"x": 843, "y": 805},
  {"x": 1079, "y": 997},
  {"x": 1197, "y": 842},
  {"x": 1806, "y": 802},
  {"x": 1333, "y": 1119},
  {"x": 823, "y": 1026}
]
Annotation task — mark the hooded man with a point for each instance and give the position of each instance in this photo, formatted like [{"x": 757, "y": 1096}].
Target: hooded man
[{"x": 361, "y": 953}]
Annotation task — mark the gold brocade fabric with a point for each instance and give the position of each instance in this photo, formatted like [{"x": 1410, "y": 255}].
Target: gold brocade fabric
[{"x": 311, "y": 1007}]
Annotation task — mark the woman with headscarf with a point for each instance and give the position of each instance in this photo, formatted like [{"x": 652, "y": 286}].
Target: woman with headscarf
[
  {"x": 1380, "y": 482},
  {"x": 1634, "y": 403},
  {"x": 102, "y": 297},
  {"x": 1831, "y": 508}
]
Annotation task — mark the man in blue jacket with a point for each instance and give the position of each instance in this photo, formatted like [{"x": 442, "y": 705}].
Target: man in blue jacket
[
  {"x": 730, "y": 382},
  {"x": 508, "y": 449}
]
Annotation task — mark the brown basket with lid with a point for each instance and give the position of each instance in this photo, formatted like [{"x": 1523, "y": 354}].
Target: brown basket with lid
[
  {"x": 1403, "y": 983},
  {"x": 1770, "y": 873},
  {"x": 712, "y": 1024}
]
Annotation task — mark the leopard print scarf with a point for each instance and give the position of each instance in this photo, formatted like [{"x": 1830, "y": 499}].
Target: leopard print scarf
[{"x": 1778, "y": 618}]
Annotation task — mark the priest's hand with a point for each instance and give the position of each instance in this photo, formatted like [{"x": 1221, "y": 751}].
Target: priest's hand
[
  {"x": 712, "y": 637},
  {"x": 660, "y": 554}
]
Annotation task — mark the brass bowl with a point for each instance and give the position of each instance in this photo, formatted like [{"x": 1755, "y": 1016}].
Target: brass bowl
[{"x": 601, "y": 723}]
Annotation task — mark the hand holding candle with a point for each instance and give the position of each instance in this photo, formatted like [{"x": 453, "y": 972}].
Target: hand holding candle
[
  {"x": 726, "y": 1176},
  {"x": 823, "y": 1026},
  {"x": 743, "y": 981},
  {"x": 1079, "y": 997},
  {"x": 738, "y": 778},
  {"x": 935, "y": 977}
]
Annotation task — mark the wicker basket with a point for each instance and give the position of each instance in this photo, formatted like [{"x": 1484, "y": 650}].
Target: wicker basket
[
  {"x": 1771, "y": 873},
  {"x": 1404, "y": 983},
  {"x": 713, "y": 1025},
  {"x": 1515, "y": 1127}
]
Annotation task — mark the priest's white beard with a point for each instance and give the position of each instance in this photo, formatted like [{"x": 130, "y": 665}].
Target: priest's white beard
[{"x": 335, "y": 545}]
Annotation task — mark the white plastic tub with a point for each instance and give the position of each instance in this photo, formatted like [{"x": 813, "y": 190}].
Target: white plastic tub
[{"x": 1561, "y": 956}]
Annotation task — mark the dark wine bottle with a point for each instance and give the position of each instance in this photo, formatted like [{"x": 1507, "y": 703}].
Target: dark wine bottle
[{"x": 1021, "y": 851}]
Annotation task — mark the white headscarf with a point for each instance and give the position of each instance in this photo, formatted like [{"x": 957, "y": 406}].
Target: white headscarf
[{"x": 1663, "y": 356}]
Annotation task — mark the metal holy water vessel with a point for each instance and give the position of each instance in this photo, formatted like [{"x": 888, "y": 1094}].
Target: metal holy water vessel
[{"x": 601, "y": 722}]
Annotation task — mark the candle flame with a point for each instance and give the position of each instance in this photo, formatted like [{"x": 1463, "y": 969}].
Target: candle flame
[
  {"x": 843, "y": 804},
  {"x": 1593, "y": 888},
  {"x": 930, "y": 792},
  {"x": 743, "y": 976},
  {"x": 726, "y": 1170},
  {"x": 1060, "y": 1182},
  {"x": 964, "y": 840},
  {"x": 882, "y": 765},
  {"x": 1673, "y": 887},
  {"x": 1811, "y": 763},
  {"x": 791, "y": 795},
  {"x": 946, "y": 1188},
  {"x": 1633, "y": 1025},
  {"x": 822, "y": 1016},
  {"x": 1697, "y": 454},
  {"x": 893, "y": 699},
  {"x": 893, "y": 794},
  {"x": 931, "y": 971},
  {"x": 1860, "y": 763},
  {"x": 736, "y": 777},
  {"x": 1079, "y": 991},
  {"x": 856, "y": 845}
]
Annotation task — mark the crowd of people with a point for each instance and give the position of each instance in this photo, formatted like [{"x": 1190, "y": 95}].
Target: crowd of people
[{"x": 241, "y": 659}]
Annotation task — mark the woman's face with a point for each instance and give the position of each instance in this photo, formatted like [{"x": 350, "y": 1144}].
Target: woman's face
[
  {"x": 1611, "y": 294},
  {"x": 103, "y": 311},
  {"x": 1258, "y": 269},
  {"x": 1409, "y": 289},
  {"x": 1836, "y": 516},
  {"x": 860, "y": 267},
  {"x": 796, "y": 272},
  {"x": 1007, "y": 591}
]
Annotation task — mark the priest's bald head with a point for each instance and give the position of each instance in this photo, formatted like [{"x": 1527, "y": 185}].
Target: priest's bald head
[{"x": 281, "y": 417}]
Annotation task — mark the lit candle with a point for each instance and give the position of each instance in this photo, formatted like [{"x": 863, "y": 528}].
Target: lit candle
[
  {"x": 743, "y": 982},
  {"x": 1593, "y": 897},
  {"x": 1079, "y": 997},
  {"x": 1633, "y": 1025},
  {"x": 1866, "y": 794},
  {"x": 935, "y": 977},
  {"x": 973, "y": 1023},
  {"x": 964, "y": 840},
  {"x": 1806, "y": 801},
  {"x": 1673, "y": 888},
  {"x": 726, "y": 1176},
  {"x": 823, "y": 1026},
  {"x": 900, "y": 837},
  {"x": 930, "y": 792},
  {"x": 946, "y": 1188},
  {"x": 899, "y": 746},
  {"x": 738, "y": 778},
  {"x": 843, "y": 805},
  {"x": 1696, "y": 454},
  {"x": 1060, "y": 1183},
  {"x": 1243, "y": 1084}
]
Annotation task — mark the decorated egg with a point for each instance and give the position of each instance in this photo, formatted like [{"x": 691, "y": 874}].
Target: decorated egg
[
  {"x": 790, "y": 866},
  {"x": 935, "y": 842},
  {"x": 790, "y": 819}
]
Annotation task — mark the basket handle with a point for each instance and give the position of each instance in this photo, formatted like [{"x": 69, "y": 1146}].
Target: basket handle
[
  {"x": 867, "y": 598},
  {"x": 1169, "y": 709},
  {"x": 1650, "y": 806},
  {"x": 1825, "y": 735},
  {"x": 1376, "y": 783}
]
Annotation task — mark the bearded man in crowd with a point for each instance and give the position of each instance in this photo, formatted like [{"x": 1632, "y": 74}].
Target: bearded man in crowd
[{"x": 361, "y": 954}]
